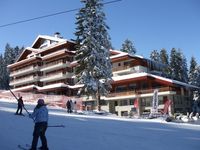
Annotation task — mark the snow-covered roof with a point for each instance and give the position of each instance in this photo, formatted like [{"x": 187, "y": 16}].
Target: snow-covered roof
[
  {"x": 53, "y": 38},
  {"x": 129, "y": 76},
  {"x": 118, "y": 55},
  {"x": 22, "y": 62},
  {"x": 24, "y": 88},
  {"x": 27, "y": 50},
  {"x": 32, "y": 49},
  {"x": 52, "y": 86},
  {"x": 143, "y": 74},
  {"x": 121, "y": 54},
  {"x": 75, "y": 86},
  {"x": 174, "y": 81},
  {"x": 57, "y": 85}
]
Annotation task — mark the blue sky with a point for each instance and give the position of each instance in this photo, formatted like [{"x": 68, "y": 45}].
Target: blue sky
[{"x": 150, "y": 24}]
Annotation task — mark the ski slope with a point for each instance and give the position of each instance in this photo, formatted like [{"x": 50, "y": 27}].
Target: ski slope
[{"x": 95, "y": 132}]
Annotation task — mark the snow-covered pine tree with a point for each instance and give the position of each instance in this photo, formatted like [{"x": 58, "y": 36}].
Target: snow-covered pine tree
[
  {"x": 184, "y": 69},
  {"x": 178, "y": 65},
  {"x": 10, "y": 55},
  {"x": 174, "y": 64},
  {"x": 164, "y": 58},
  {"x": 2, "y": 71},
  {"x": 94, "y": 70},
  {"x": 9, "y": 58},
  {"x": 128, "y": 47},
  {"x": 155, "y": 56},
  {"x": 198, "y": 77},
  {"x": 18, "y": 51},
  {"x": 193, "y": 71}
]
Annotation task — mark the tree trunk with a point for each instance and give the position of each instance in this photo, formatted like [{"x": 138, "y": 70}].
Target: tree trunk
[{"x": 98, "y": 100}]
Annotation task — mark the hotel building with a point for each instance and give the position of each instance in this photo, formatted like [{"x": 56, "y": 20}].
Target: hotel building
[{"x": 48, "y": 67}]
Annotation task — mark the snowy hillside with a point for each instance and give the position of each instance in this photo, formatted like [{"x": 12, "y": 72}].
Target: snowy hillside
[{"x": 92, "y": 132}]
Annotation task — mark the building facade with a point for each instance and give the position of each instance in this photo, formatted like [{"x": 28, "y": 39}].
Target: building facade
[{"x": 48, "y": 67}]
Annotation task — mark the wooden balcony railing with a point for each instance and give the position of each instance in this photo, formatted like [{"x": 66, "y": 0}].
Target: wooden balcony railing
[{"x": 138, "y": 92}]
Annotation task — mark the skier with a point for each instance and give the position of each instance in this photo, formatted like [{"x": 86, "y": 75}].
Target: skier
[
  {"x": 68, "y": 104},
  {"x": 40, "y": 117},
  {"x": 20, "y": 105}
]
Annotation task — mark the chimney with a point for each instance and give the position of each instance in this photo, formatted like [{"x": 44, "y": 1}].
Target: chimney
[{"x": 57, "y": 35}]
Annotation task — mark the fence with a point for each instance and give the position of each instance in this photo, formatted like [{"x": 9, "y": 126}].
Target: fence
[{"x": 51, "y": 100}]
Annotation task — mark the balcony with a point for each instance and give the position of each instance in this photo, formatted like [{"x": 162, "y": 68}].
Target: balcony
[
  {"x": 51, "y": 67},
  {"x": 140, "y": 92},
  {"x": 123, "y": 70},
  {"x": 56, "y": 76},
  {"x": 119, "y": 68},
  {"x": 24, "y": 80},
  {"x": 26, "y": 70}
]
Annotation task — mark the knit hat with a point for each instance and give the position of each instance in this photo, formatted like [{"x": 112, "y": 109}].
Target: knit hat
[{"x": 40, "y": 102}]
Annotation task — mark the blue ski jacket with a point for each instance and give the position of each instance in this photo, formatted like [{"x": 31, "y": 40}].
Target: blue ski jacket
[{"x": 40, "y": 114}]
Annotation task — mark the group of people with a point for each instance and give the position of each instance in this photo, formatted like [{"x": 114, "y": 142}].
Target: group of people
[
  {"x": 71, "y": 106},
  {"x": 40, "y": 117}
]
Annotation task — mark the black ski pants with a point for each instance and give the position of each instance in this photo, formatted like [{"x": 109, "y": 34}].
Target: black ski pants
[
  {"x": 39, "y": 131},
  {"x": 19, "y": 109}
]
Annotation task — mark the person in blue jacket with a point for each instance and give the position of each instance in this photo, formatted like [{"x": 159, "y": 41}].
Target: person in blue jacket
[{"x": 40, "y": 117}]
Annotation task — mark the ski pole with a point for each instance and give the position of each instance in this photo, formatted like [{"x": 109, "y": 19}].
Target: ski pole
[
  {"x": 13, "y": 94},
  {"x": 17, "y": 100},
  {"x": 58, "y": 126},
  {"x": 26, "y": 110}
]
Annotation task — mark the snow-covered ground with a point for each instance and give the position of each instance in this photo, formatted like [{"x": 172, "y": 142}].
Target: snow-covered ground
[{"x": 96, "y": 132}]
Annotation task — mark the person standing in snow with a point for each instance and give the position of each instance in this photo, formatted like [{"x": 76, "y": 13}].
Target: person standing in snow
[
  {"x": 20, "y": 105},
  {"x": 68, "y": 104},
  {"x": 40, "y": 117},
  {"x": 72, "y": 106},
  {"x": 75, "y": 107}
]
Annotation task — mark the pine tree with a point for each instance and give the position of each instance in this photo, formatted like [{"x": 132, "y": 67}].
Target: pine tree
[
  {"x": 184, "y": 69},
  {"x": 9, "y": 58},
  {"x": 164, "y": 58},
  {"x": 178, "y": 66},
  {"x": 2, "y": 71},
  {"x": 10, "y": 55},
  {"x": 17, "y": 51},
  {"x": 94, "y": 70},
  {"x": 128, "y": 47},
  {"x": 198, "y": 77},
  {"x": 193, "y": 72},
  {"x": 155, "y": 56},
  {"x": 174, "y": 65}
]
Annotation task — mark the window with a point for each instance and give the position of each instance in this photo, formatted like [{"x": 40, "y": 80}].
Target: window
[
  {"x": 121, "y": 89},
  {"x": 124, "y": 103}
]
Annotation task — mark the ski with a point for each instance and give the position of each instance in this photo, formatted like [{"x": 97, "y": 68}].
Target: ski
[
  {"x": 23, "y": 147},
  {"x": 26, "y": 147},
  {"x": 61, "y": 126},
  {"x": 20, "y": 115}
]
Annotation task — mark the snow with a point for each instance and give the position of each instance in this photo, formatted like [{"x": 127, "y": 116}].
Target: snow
[
  {"x": 142, "y": 74},
  {"x": 96, "y": 132}
]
